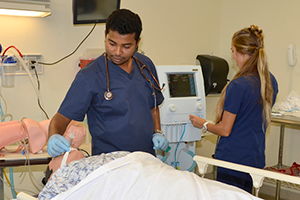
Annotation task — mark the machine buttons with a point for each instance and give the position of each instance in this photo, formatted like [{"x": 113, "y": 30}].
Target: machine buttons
[
  {"x": 172, "y": 108},
  {"x": 199, "y": 106}
]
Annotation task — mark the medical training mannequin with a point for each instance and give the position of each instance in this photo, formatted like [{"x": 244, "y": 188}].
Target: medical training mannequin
[
  {"x": 244, "y": 109},
  {"x": 120, "y": 103}
]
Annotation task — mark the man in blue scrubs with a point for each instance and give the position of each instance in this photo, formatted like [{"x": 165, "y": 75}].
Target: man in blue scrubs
[{"x": 129, "y": 121}]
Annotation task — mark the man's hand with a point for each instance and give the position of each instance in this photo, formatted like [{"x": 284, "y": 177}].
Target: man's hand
[
  {"x": 57, "y": 145},
  {"x": 160, "y": 141}
]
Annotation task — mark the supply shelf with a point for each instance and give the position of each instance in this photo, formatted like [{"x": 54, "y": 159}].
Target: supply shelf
[{"x": 283, "y": 183}]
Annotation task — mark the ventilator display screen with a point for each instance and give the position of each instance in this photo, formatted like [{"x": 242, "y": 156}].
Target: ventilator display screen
[{"x": 181, "y": 85}]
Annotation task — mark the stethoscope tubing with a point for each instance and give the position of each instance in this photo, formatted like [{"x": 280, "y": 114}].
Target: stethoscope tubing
[{"x": 108, "y": 95}]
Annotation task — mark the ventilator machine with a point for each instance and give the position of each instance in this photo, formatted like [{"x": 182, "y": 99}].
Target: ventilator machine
[{"x": 184, "y": 95}]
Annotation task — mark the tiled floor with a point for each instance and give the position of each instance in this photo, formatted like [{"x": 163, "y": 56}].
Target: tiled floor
[{"x": 268, "y": 192}]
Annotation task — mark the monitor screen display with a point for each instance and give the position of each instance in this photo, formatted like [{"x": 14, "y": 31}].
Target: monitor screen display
[
  {"x": 181, "y": 85},
  {"x": 93, "y": 11}
]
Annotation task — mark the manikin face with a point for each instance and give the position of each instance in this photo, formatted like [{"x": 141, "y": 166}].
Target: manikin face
[
  {"x": 239, "y": 58},
  {"x": 120, "y": 48}
]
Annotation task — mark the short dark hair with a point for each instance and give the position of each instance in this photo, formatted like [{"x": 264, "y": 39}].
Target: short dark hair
[{"x": 124, "y": 22}]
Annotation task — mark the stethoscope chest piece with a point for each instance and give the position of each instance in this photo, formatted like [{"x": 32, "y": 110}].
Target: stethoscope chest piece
[{"x": 108, "y": 95}]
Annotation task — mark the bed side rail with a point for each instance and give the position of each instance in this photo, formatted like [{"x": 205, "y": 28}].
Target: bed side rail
[{"x": 257, "y": 175}]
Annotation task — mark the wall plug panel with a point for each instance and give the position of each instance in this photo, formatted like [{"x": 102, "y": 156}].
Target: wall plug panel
[{"x": 32, "y": 61}]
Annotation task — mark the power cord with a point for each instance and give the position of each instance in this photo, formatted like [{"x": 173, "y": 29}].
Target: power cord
[{"x": 73, "y": 51}]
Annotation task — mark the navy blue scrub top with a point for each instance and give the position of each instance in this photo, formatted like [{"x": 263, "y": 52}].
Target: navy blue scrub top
[
  {"x": 246, "y": 142},
  {"x": 124, "y": 123}
]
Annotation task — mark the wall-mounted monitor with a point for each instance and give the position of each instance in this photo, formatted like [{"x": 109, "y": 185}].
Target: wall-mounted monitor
[{"x": 93, "y": 11}]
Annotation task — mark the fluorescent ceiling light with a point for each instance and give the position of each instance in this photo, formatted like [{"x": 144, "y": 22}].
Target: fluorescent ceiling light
[{"x": 28, "y": 8}]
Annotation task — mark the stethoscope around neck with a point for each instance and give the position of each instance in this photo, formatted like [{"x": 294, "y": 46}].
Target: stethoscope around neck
[{"x": 108, "y": 95}]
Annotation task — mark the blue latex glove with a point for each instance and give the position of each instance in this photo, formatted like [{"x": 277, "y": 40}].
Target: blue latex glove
[
  {"x": 57, "y": 145},
  {"x": 160, "y": 141}
]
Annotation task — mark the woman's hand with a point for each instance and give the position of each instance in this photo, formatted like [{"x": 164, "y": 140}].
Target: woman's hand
[
  {"x": 223, "y": 128},
  {"x": 197, "y": 121}
]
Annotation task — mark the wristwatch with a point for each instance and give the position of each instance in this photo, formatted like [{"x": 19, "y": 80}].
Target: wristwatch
[
  {"x": 205, "y": 126},
  {"x": 158, "y": 131}
]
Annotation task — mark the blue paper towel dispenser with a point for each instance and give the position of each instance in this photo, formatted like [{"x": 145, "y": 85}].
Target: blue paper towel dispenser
[{"x": 215, "y": 71}]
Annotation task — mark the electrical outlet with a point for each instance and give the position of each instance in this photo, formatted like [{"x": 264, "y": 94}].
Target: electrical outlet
[{"x": 32, "y": 61}]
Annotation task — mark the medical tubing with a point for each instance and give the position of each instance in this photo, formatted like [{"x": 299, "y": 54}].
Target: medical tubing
[
  {"x": 7, "y": 183},
  {"x": 39, "y": 103},
  {"x": 175, "y": 162},
  {"x": 1, "y": 109},
  {"x": 163, "y": 159},
  {"x": 192, "y": 167},
  {"x": 4, "y": 114},
  {"x": 167, "y": 154},
  {"x": 14, "y": 48},
  {"x": 11, "y": 177},
  {"x": 30, "y": 78},
  {"x": 29, "y": 75},
  {"x": 31, "y": 175}
]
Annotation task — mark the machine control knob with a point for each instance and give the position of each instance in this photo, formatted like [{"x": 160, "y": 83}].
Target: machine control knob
[
  {"x": 199, "y": 106},
  {"x": 172, "y": 108}
]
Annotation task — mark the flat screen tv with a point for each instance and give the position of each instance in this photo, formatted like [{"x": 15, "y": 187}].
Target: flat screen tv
[{"x": 93, "y": 11}]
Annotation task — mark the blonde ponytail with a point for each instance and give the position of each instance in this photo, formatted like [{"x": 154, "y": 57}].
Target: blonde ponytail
[{"x": 251, "y": 41}]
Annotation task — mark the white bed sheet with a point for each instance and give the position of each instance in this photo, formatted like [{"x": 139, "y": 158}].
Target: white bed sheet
[{"x": 142, "y": 176}]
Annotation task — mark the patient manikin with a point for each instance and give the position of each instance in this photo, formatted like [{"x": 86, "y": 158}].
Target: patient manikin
[
  {"x": 75, "y": 134},
  {"x": 28, "y": 131},
  {"x": 35, "y": 134}
]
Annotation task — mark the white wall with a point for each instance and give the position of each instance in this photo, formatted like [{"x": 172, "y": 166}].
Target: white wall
[{"x": 174, "y": 32}]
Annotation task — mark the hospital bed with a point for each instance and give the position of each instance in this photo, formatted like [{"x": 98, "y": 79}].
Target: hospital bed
[
  {"x": 257, "y": 175},
  {"x": 140, "y": 175}
]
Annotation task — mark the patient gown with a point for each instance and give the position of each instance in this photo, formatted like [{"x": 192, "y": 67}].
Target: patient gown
[{"x": 72, "y": 173}]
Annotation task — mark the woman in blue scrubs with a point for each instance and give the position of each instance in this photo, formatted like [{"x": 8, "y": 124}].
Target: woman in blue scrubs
[
  {"x": 117, "y": 92},
  {"x": 244, "y": 109}
]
